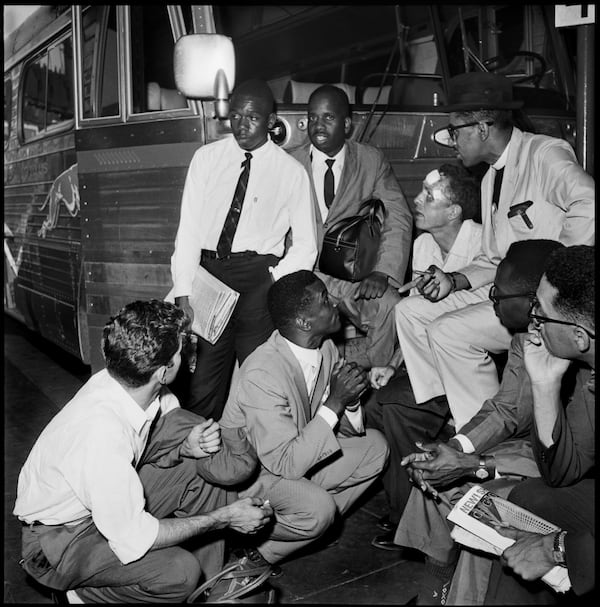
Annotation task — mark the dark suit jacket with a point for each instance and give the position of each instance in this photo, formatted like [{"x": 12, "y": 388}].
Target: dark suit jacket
[{"x": 367, "y": 174}]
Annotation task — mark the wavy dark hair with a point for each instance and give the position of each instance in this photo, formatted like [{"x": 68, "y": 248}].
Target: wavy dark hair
[
  {"x": 141, "y": 338},
  {"x": 463, "y": 189},
  {"x": 572, "y": 271}
]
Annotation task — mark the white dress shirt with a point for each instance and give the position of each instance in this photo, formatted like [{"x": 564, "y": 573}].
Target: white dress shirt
[
  {"x": 310, "y": 360},
  {"x": 83, "y": 464},
  {"x": 277, "y": 199},
  {"x": 465, "y": 248},
  {"x": 319, "y": 167}
]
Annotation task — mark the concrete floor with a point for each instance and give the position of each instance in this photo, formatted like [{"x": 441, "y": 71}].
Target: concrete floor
[{"x": 39, "y": 379}]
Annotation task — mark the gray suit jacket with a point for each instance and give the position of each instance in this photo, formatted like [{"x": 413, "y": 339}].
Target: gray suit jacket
[
  {"x": 367, "y": 174},
  {"x": 271, "y": 402}
]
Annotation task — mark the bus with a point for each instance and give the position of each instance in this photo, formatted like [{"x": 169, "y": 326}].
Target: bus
[{"x": 97, "y": 137}]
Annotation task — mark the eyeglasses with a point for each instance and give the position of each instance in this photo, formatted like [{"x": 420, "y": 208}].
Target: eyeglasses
[
  {"x": 448, "y": 135},
  {"x": 495, "y": 298},
  {"x": 539, "y": 320}
]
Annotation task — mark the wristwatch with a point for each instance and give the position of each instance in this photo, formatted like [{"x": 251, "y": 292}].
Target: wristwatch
[
  {"x": 558, "y": 550},
  {"x": 482, "y": 472}
]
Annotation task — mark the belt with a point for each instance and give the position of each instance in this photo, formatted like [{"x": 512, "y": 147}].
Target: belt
[{"x": 213, "y": 255}]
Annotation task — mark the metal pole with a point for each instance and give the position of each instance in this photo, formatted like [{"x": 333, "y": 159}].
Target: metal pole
[{"x": 585, "y": 97}]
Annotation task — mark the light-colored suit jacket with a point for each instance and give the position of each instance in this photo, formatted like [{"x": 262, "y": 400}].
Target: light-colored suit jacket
[
  {"x": 270, "y": 400},
  {"x": 367, "y": 174},
  {"x": 544, "y": 170}
]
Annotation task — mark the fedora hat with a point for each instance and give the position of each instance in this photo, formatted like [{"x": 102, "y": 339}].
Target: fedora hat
[{"x": 480, "y": 91}]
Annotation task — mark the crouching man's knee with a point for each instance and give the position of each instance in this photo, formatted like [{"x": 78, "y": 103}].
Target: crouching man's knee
[{"x": 177, "y": 578}]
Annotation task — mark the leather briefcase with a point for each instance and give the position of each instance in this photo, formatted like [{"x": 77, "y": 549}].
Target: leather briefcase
[{"x": 350, "y": 246}]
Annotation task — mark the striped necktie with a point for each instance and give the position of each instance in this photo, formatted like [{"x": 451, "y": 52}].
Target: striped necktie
[{"x": 233, "y": 217}]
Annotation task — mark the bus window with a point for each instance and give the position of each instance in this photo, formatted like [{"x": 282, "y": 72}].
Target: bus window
[
  {"x": 152, "y": 43},
  {"x": 48, "y": 90},
  {"x": 7, "y": 109},
  {"x": 100, "y": 62}
]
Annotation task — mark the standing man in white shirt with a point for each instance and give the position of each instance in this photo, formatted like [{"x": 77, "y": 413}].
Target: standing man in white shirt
[
  {"x": 534, "y": 189},
  {"x": 238, "y": 233},
  {"x": 87, "y": 527},
  {"x": 343, "y": 175},
  {"x": 299, "y": 405}
]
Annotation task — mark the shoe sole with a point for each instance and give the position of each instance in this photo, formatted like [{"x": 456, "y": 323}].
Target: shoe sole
[
  {"x": 230, "y": 573},
  {"x": 394, "y": 547}
]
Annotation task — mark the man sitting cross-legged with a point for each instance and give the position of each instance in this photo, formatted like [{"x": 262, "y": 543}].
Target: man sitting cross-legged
[{"x": 299, "y": 404}]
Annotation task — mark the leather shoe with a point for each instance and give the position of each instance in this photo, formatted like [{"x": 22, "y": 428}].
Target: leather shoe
[
  {"x": 385, "y": 524},
  {"x": 386, "y": 541}
]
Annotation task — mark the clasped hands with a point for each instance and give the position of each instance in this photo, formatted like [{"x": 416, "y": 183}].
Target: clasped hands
[
  {"x": 436, "y": 465},
  {"x": 203, "y": 440}
]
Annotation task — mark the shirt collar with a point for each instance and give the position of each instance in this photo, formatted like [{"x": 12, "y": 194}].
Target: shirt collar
[
  {"x": 257, "y": 153},
  {"x": 130, "y": 410},
  {"x": 319, "y": 156},
  {"x": 501, "y": 162},
  {"x": 305, "y": 356}
]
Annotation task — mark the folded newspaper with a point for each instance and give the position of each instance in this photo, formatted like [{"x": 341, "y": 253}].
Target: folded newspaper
[
  {"x": 212, "y": 301},
  {"x": 479, "y": 509}
]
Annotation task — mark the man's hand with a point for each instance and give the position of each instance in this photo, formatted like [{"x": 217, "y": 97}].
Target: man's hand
[
  {"x": 183, "y": 302},
  {"x": 380, "y": 376},
  {"x": 531, "y": 554},
  {"x": 541, "y": 366},
  {"x": 203, "y": 440},
  {"x": 249, "y": 514},
  {"x": 435, "y": 285},
  {"x": 373, "y": 286},
  {"x": 347, "y": 383},
  {"x": 439, "y": 465}
]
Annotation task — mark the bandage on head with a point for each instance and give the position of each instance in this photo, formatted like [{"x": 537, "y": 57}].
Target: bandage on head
[{"x": 433, "y": 178}]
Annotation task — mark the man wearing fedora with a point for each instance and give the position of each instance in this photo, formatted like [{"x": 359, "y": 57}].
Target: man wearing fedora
[{"x": 534, "y": 188}]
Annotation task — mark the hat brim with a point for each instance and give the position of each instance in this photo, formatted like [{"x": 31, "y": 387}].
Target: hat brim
[{"x": 473, "y": 107}]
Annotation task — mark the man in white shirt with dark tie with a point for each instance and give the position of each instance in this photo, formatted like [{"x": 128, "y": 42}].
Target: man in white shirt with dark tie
[{"x": 242, "y": 196}]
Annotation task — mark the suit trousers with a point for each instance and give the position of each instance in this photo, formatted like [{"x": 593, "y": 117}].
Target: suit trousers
[
  {"x": 376, "y": 314},
  {"x": 205, "y": 391},
  {"x": 393, "y": 410},
  {"x": 447, "y": 345},
  {"x": 305, "y": 508},
  {"x": 79, "y": 557}
]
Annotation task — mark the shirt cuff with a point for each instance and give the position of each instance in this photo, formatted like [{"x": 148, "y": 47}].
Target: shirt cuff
[
  {"x": 328, "y": 415},
  {"x": 465, "y": 443}
]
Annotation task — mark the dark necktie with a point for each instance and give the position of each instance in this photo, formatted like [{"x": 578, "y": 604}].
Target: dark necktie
[
  {"x": 328, "y": 184},
  {"x": 233, "y": 217},
  {"x": 497, "y": 188}
]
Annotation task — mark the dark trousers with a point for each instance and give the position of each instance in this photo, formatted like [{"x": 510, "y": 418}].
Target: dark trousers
[
  {"x": 205, "y": 391},
  {"x": 393, "y": 411},
  {"x": 79, "y": 557},
  {"x": 570, "y": 508}
]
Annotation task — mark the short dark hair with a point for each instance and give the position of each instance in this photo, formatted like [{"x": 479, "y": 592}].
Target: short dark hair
[
  {"x": 572, "y": 271},
  {"x": 288, "y": 297},
  {"x": 141, "y": 338},
  {"x": 339, "y": 96},
  {"x": 258, "y": 89},
  {"x": 528, "y": 259},
  {"x": 464, "y": 189}
]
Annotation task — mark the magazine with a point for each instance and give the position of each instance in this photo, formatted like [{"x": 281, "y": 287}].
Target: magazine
[{"x": 479, "y": 509}]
